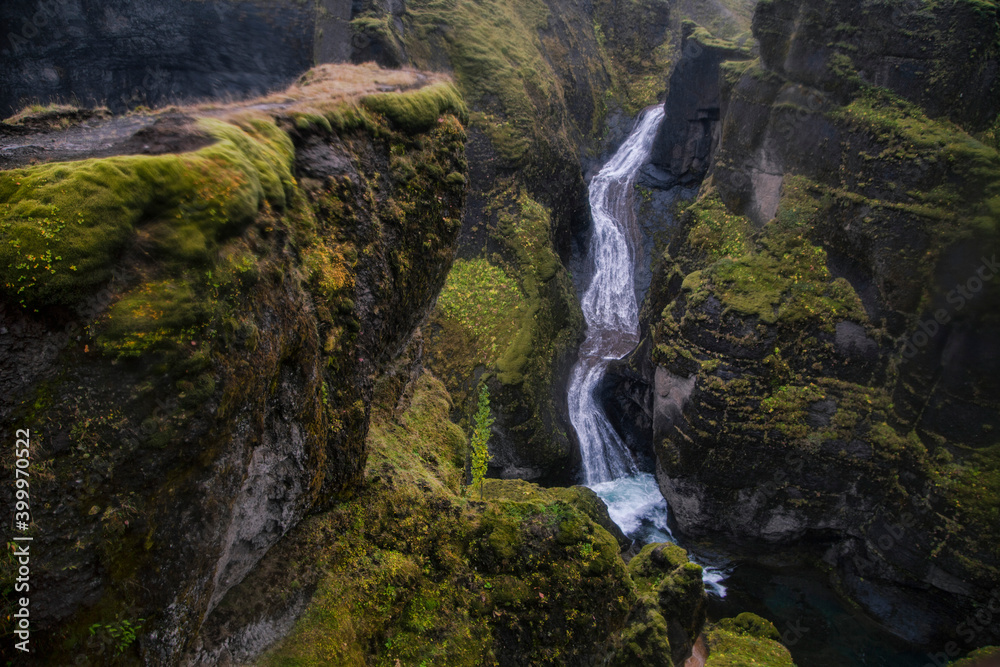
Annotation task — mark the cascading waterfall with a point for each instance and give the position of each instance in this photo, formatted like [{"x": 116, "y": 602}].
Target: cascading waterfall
[
  {"x": 609, "y": 305},
  {"x": 612, "y": 315}
]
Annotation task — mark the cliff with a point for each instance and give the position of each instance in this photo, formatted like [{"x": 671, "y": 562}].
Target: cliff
[
  {"x": 820, "y": 363},
  {"x": 126, "y": 54},
  {"x": 192, "y": 329}
]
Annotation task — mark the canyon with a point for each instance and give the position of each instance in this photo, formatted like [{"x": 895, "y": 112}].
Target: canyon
[{"x": 726, "y": 265}]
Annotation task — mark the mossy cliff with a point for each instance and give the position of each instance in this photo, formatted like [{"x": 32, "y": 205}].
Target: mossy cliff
[
  {"x": 819, "y": 367},
  {"x": 193, "y": 340},
  {"x": 420, "y": 570}
]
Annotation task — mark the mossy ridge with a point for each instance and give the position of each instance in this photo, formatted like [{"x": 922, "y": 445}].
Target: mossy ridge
[
  {"x": 737, "y": 649},
  {"x": 778, "y": 275},
  {"x": 726, "y": 19},
  {"x": 410, "y": 571},
  {"x": 65, "y": 224},
  {"x": 418, "y": 111}
]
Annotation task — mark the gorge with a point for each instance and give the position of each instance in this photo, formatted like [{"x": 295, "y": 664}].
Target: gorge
[{"x": 725, "y": 266}]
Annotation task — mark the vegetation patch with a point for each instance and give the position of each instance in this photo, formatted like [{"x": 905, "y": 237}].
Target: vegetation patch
[
  {"x": 419, "y": 110},
  {"x": 415, "y": 573},
  {"x": 781, "y": 276},
  {"x": 729, "y": 648},
  {"x": 487, "y": 303},
  {"x": 64, "y": 225},
  {"x": 717, "y": 232},
  {"x": 969, "y": 202}
]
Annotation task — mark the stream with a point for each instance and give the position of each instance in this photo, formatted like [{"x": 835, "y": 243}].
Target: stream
[{"x": 837, "y": 635}]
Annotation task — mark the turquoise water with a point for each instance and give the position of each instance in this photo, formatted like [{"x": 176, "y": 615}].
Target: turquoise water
[{"x": 818, "y": 628}]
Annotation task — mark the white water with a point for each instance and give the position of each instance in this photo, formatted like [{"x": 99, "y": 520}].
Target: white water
[{"x": 612, "y": 314}]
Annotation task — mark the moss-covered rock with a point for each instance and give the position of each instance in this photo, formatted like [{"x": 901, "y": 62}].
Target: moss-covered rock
[
  {"x": 736, "y": 642},
  {"x": 983, "y": 656},
  {"x": 414, "y": 571},
  {"x": 821, "y": 328},
  {"x": 227, "y": 310}
]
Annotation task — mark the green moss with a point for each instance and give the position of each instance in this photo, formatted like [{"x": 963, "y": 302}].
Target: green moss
[
  {"x": 966, "y": 201},
  {"x": 735, "y": 649},
  {"x": 717, "y": 232},
  {"x": 646, "y": 641},
  {"x": 782, "y": 277},
  {"x": 978, "y": 657},
  {"x": 751, "y": 625},
  {"x": 516, "y": 314},
  {"x": 482, "y": 299},
  {"x": 155, "y": 315},
  {"x": 653, "y": 563},
  {"x": 991, "y": 135},
  {"x": 418, "y": 111},
  {"x": 971, "y": 487},
  {"x": 305, "y": 120},
  {"x": 703, "y": 37},
  {"x": 63, "y": 225},
  {"x": 410, "y": 572},
  {"x": 527, "y": 234},
  {"x": 494, "y": 50}
]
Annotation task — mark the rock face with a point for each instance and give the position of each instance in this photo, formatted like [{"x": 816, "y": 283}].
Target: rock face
[
  {"x": 690, "y": 131},
  {"x": 125, "y": 53},
  {"x": 820, "y": 366},
  {"x": 190, "y": 410}
]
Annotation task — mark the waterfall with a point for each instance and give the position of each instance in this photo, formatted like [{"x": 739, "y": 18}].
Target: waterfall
[
  {"x": 609, "y": 305},
  {"x": 612, "y": 314}
]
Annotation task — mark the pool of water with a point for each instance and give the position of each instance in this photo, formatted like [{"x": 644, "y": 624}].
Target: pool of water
[{"x": 818, "y": 627}]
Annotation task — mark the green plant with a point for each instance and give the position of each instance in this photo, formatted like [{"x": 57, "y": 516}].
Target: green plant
[
  {"x": 121, "y": 635},
  {"x": 480, "y": 439}
]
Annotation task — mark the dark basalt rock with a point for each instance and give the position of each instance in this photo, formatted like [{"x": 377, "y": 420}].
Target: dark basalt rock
[
  {"x": 125, "y": 53},
  {"x": 685, "y": 141}
]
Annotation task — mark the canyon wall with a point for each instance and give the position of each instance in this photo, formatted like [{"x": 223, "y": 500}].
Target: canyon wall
[
  {"x": 197, "y": 358},
  {"x": 124, "y": 54},
  {"x": 819, "y": 368}
]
